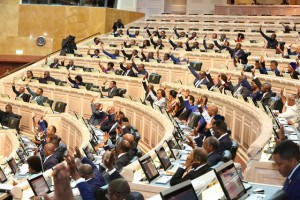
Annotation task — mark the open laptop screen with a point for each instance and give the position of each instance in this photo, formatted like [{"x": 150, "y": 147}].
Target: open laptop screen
[
  {"x": 163, "y": 157},
  {"x": 148, "y": 167},
  {"x": 183, "y": 190},
  {"x": 13, "y": 165},
  {"x": 230, "y": 181},
  {"x": 2, "y": 176},
  {"x": 21, "y": 155},
  {"x": 38, "y": 185}
]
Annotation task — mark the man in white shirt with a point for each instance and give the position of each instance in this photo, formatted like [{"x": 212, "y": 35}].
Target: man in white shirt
[{"x": 290, "y": 110}]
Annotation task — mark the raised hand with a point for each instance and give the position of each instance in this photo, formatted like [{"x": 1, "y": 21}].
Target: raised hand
[
  {"x": 77, "y": 153},
  {"x": 109, "y": 162}
]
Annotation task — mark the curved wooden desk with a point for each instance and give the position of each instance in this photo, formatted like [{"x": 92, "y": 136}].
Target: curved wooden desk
[{"x": 9, "y": 144}]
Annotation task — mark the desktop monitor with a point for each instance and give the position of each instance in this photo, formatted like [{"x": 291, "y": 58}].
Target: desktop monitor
[
  {"x": 181, "y": 191},
  {"x": 21, "y": 156},
  {"x": 148, "y": 167},
  {"x": 230, "y": 181},
  {"x": 163, "y": 157},
  {"x": 88, "y": 153},
  {"x": 13, "y": 165},
  {"x": 38, "y": 185},
  {"x": 2, "y": 176}
]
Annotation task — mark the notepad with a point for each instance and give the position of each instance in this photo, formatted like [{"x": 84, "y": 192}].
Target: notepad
[
  {"x": 163, "y": 180},
  {"x": 5, "y": 187}
]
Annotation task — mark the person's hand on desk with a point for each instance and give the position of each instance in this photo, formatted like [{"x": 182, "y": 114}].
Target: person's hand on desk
[
  {"x": 105, "y": 140},
  {"x": 190, "y": 141},
  {"x": 62, "y": 189},
  {"x": 189, "y": 161}
]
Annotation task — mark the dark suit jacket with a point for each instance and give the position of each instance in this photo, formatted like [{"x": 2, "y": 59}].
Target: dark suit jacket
[
  {"x": 214, "y": 158},
  {"x": 225, "y": 144},
  {"x": 123, "y": 161},
  {"x": 109, "y": 178},
  {"x": 60, "y": 151},
  {"x": 130, "y": 73},
  {"x": 25, "y": 97},
  {"x": 111, "y": 92},
  {"x": 192, "y": 174},
  {"x": 291, "y": 187},
  {"x": 40, "y": 100},
  {"x": 149, "y": 98},
  {"x": 85, "y": 191},
  {"x": 98, "y": 180},
  {"x": 108, "y": 123},
  {"x": 45, "y": 80},
  {"x": 128, "y": 56},
  {"x": 265, "y": 99},
  {"x": 68, "y": 67},
  {"x": 97, "y": 116},
  {"x": 54, "y": 65},
  {"x": 50, "y": 162}
]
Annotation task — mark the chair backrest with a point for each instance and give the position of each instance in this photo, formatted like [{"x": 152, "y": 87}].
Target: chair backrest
[
  {"x": 60, "y": 106},
  {"x": 194, "y": 119},
  {"x": 154, "y": 78},
  {"x": 122, "y": 91},
  {"x": 217, "y": 165},
  {"x": 49, "y": 101},
  {"x": 134, "y": 196},
  {"x": 227, "y": 156},
  {"x": 276, "y": 104},
  {"x": 14, "y": 123},
  {"x": 234, "y": 148}
]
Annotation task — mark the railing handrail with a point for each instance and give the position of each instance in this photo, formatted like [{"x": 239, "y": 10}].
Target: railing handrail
[{"x": 43, "y": 57}]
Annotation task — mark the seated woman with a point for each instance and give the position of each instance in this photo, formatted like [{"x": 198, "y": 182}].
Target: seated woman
[
  {"x": 255, "y": 86},
  {"x": 159, "y": 99},
  {"x": 172, "y": 104},
  {"x": 292, "y": 66},
  {"x": 28, "y": 77},
  {"x": 290, "y": 110},
  {"x": 39, "y": 129},
  {"x": 77, "y": 82}
]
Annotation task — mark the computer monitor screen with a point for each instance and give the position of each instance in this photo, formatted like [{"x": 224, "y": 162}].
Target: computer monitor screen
[
  {"x": 13, "y": 165},
  {"x": 230, "y": 181},
  {"x": 181, "y": 191},
  {"x": 87, "y": 151},
  {"x": 21, "y": 155},
  {"x": 2, "y": 176},
  {"x": 148, "y": 167},
  {"x": 163, "y": 157},
  {"x": 38, "y": 185}
]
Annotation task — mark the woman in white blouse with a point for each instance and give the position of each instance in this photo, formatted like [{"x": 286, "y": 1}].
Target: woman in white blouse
[{"x": 159, "y": 99}]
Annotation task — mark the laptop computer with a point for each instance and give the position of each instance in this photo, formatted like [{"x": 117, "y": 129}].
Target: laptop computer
[
  {"x": 38, "y": 185},
  {"x": 87, "y": 151},
  {"x": 3, "y": 178},
  {"x": 13, "y": 165},
  {"x": 183, "y": 190},
  {"x": 21, "y": 156},
  {"x": 151, "y": 171},
  {"x": 230, "y": 182},
  {"x": 165, "y": 160}
]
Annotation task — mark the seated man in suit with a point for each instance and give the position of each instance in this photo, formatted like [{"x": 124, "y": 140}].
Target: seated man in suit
[
  {"x": 176, "y": 46},
  {"x": 211, "y": 145},
  {"x": 4, "y": 116},
  {"x": 220, "y": 131},
  {"x": 127, "y": 71},
  {"x": 294, "y": 53},
  {"x": 148, "y": 88},
  {"x": 55, "y": 63},
  {"x": 50, "y": 159},
  {"x": 275, "y": 68},
  {"x": 77, "y": 82},
  {"x": 97, "y": 113},
  {"x": 36, "y": 96},
  {"x": 69, "y": 66},
  {"x": 195, "y": 166},
  {"x": 34, "y": 165},
  {"x": 267, "y": 93},
  {"x": 136, "y": 33},
  {"x": 140, "y": 69},
  {"x": 272, "y": 42},
  {"x": 108, "y": 160},
  {"x": 123, "y": 157},
  {"x": 46, "y": 78},
  {"x": 200, "y": 79},
  {"x": 21, "y": 93},
  {"x": 181, "y": 35},
  {"x": 95, "y": 55},
  {"x": 133, "y": 54},
  {"x": 119, "y": 189},
  {"x": 89, "y": 171},
  {"x": 60, "y": 147},
  {"x": 112, "y": 89},
  {"x": 287, "y": 156},
  {"x": 243, "y": 87},
  {"x": 190, "y": 48}
]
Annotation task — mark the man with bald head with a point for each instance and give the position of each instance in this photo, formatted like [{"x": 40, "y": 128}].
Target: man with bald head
[
  {"x": 50, "y": 160},
  {"x": 20, "y": 93},
  {"x": 195, "y": 166},
  {"x": 97, "y": 114},
  {"x": 205, "y": 119},
  {"x": 220, "y": 132},
  {"x": 133, "y": 146},
  {"x": 90, "y": 172},
  {"x": 123, "y": 157}
]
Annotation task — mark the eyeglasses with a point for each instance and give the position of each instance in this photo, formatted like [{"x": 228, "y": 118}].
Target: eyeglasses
[{"x": 108, "y": 195}]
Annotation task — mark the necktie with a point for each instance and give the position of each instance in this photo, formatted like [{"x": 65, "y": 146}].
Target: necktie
[
  {"x": 198, "y": 83},
  {"x": 286, "y": 185},
  {"x": 103, "y": 120}
]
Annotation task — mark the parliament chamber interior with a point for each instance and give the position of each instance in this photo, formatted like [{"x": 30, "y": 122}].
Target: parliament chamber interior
[{"x": 156, "y": 99}]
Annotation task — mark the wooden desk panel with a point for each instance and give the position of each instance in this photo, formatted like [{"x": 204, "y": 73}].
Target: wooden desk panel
[{"x": 9, "y": 144}]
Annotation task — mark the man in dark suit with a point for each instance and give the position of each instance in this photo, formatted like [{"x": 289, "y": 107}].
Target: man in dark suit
[
  {"x": 134, "y": 53},
  {"x": 21, "y": 93},
  {"x": 50, "y": 160},
  {"x": 69, "y": 66},
  {"x": 109, "y": 120},
  {"x": 128, "y": 71},
  {"x": 287, "y": 156},
  {"x": 123, "y": 157},
  {"x": 148, "y": 88},
  {"x": 46, "y": 78},
  {"x": 220, "y": 131},
  {"x": 200, "y": 79},
  {"x": 112, "y": 89},
  {"x": 122, "y": 189},
  {"x": 55, "y": 63},
  {"x": 4, "y": 116},
  {"x": 272, "y": 42},
  {"x": 97, "y": 113},
  {"x": 90, "y": 172},
  {"x": 242, "y": 88},
  {"x": 118, "y": 24},
  {"x": 108, "y": 160},
  {"x": 37, "y": 96},
  {"x": 211, "y": 145},
  {"x": 267, "y": 93},
  {"x": 195, "y": 166},
  {"x": 60, "y": 148}
]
